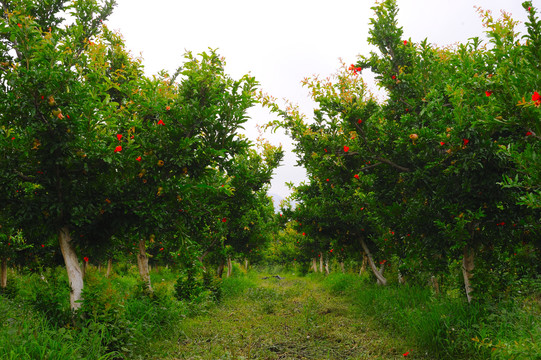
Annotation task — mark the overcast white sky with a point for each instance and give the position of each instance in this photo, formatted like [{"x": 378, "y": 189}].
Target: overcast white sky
[{"x": 282, "y": 41}]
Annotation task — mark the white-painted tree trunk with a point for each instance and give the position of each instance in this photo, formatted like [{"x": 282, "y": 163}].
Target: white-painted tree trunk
[
  {"x": 320, "y": 262},
  {"x": 314, "y": 264},
  {"x": 342, "y": 267},
  {"x": 220, "y": 270},
  {"x": 375, "y": 270},
  {"x": 109, "y": 267},
  {"x": 142, "y": 263},
  {"x": 246, "y": 264},
  {"x": 381, "y": 270},
  {"x": 229, "y": 266},
  {"x": 327, "y": 271},
  {"x": 435, "y": 284},
  {"x": 467, "y": 271},
  {"x": 4, "y": 274},
  {"x": 75, "y": 275},
  {"x": 363, "y": 266}
]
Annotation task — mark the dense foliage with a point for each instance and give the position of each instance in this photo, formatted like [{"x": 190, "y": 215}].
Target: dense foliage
[
  {"x": 442, "y": 173},
  {"x": 105, "y": 159}
]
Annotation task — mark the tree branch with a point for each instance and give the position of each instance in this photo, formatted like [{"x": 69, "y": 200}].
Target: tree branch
[{"x": 389, "y": 162}]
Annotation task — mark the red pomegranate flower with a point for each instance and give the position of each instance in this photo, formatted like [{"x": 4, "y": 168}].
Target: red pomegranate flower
[
  {"x": 119, "y": 136},
  {"x": 118, "y": 149},
  {"x": 161, "y": 122},
  {"x": 355, "y": 69},
  {"x": 346, "y": 148},
  {"x": 536, "y": 98},
  {"x": 405, "y": 42},
  {"x": 86, "y": 259},
  {"x": 138, "y": 158},
  {"x": 356, "y": 176},
  {"x": 488, "y": 93},
  {"x": 465, "y": 141}
]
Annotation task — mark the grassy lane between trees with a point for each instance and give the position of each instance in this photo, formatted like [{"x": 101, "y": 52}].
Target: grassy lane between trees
[{"x": 290, "y": 318}]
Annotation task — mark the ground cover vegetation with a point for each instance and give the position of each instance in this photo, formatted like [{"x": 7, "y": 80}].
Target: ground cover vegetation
[{"x": 131, "y": 208}]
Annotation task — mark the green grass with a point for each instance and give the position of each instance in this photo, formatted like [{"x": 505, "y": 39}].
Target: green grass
[
  {"x": 445, "y": 327},
  {"x": 293, "y": 318},
  {"x": 300, "y": 317}
]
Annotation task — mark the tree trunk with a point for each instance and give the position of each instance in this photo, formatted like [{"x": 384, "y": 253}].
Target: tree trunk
[
  {"x": 467, "y": 271},
  {"x": 229, "y": 266},
  {"x": 75, "y": 275},
  {"x": 246, "y": 264},
  {"x": 142, "y": 263},
  {"x": 342, "y": 267},
  {"x": 381, "y": 270},
  {"x": 327, "y": 266},
  {"x": 4, "y": 274},
  {"x": 314, "y": 264},
  {"x": 220, "y": 270},
  {"x": 363, "y": 266},
  {"x": 379, "y": 276},
  {"x": 320, "y": 262},
  {"x": 109, "y": 267},
  {"x": 99, "y": 267},
  {"x": 435, "y": 284}
]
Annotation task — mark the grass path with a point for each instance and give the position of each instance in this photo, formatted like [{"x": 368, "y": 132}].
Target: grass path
[{"x": 293, "y": 318}]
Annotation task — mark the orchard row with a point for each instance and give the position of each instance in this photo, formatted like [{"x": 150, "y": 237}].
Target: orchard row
[
  {"x": 444, "y": 173},
  {"x": 100, "y": 162}
]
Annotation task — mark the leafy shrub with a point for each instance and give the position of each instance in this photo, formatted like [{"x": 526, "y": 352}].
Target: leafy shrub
[
  {"x": 25, "y": 334},
  {"x": 193, "y": 286},
  {"x": 103, "y": 313},
  {"x": 49, "y": 294},
  {"x": 188, "y": 285},
  {"x": 213, "y": 284}
]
